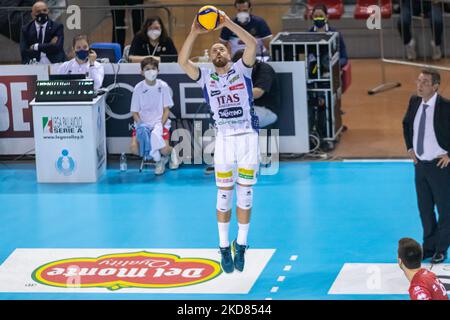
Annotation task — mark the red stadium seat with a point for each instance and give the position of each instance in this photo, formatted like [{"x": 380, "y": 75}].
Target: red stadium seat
[
  {"x": 346, "y": 78},
  {"x": 335, "y": 8},
  {"x": 362, "y": 5}
]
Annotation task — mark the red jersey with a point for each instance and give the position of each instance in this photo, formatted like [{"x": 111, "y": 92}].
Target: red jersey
[{"x": 426, "y": 286}]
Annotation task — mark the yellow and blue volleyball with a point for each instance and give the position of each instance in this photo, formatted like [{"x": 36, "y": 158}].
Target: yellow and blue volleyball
[{"x": 208, "y": 17}]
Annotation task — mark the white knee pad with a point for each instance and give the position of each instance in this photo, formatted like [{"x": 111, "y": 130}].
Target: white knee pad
[
  {"x": 244, "y": 196},
  {"x": 224, "y": 200}
]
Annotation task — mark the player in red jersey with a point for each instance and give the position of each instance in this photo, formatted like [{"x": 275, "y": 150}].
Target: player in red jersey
[{"x": 424, "y": 283}]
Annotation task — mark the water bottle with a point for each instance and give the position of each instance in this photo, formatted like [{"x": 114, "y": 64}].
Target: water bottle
[{"x": 123, "y": 162}]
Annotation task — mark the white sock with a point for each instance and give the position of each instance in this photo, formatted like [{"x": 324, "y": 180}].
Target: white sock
[
  {"x": 242, "y": 234},
  {"x": 223, "y": 234}
]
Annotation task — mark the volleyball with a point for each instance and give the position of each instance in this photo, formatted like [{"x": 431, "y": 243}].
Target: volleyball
[{"x": 208, "y": 17}]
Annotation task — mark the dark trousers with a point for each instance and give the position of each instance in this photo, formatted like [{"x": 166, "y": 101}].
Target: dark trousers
[
  {"x": 433, "y": 190},
  {"x": 118, "y": 32},
  {"x": 414, "y": 7}
]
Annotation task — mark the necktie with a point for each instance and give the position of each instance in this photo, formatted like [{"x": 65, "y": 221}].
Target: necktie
[
  {"x": 40, "y": 35},
  {"x": 421, "y": 134}
]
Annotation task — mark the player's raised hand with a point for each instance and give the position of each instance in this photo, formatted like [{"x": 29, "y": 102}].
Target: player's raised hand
[
  {"x": 197, "y": 29},
  {"x": 224, "y": 20}
]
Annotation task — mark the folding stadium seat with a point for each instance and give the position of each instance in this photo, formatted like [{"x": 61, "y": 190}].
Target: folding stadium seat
[
  {"x": 335, "y": 8},
  {"x": 107, "y": 50},
  {"x": 362, "y": 5}
]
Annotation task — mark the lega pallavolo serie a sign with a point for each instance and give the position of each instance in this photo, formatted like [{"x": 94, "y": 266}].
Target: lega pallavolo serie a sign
[{"x": 127, "y": 270}]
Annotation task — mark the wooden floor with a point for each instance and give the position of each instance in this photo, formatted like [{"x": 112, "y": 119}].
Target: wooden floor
[{"x": 375, "y": 121}]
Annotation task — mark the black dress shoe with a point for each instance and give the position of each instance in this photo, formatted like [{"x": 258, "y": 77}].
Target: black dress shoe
[{"x": 439, "y": 257}]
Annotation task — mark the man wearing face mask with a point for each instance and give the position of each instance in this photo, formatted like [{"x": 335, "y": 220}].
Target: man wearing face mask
[
  {"x": 42, "y": 39},
  {"x": 84, "y": 62},
  {"x": 254, "y": 25}
]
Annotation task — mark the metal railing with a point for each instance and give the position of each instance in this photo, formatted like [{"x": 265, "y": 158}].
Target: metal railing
[{"x": 384, "y": 86}]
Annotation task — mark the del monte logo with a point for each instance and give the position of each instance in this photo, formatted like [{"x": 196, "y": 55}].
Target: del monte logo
[{"x": 127, "y": 270}]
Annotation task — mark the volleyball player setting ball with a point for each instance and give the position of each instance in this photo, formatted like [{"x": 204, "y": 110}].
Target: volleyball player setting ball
[{"x": 228, "y": 91}]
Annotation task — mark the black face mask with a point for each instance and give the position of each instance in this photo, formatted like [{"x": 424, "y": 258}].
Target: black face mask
[
  {"x": 320, "y": 22},
  {"x": 42, "y": 18},
  {"x": 82, "y": 54}
]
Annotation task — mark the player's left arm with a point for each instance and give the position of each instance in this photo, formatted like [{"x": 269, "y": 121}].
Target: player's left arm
[{"x": 251, "y": 44}]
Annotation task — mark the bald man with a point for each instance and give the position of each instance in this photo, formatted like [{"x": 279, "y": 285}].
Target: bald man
[{"x": 42, "y": 39}]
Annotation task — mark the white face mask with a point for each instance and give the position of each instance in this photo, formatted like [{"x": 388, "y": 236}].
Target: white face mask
[
  {"x": 154, "y": 34},
  {"x": 151, "y": 75},
  {"x": 243, "y": 17}
]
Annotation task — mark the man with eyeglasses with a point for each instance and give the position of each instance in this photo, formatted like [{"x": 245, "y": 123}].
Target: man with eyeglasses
[{"x": 426, "y": 130}]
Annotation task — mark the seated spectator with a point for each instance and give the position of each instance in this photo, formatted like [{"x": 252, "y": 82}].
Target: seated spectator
[
  {"x": 424, "y": 285},
  {"x": 42, "y": 39},
  {"x": 150, "y": 106},
  {"x": 266, "y": 91},
  {"x": 319, "y": 15},
  {"x": 151, "y": 41},
  {"x": 84, "y": 62},
  {"x": 255, "y": 25},
  {"x": 432, "y": 10}
]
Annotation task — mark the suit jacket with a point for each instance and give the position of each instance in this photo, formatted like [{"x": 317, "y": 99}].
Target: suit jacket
[
  {"x": 441, "y": 121},
  {"x": 55, "y": 52}
]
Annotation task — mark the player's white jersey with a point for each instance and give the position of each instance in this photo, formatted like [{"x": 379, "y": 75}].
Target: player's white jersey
[{"x": 230, "y": 98}]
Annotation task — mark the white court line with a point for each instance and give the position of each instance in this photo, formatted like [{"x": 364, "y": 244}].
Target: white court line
[
  {"x": 274, "y": 289},
  {"x": 375, "y": 160},
  {"x": 268, "y": 299},
  {"x": 293, "y": 258},
  {"x": 281, "y": 278},
  {"x": 287, "y": 268}
]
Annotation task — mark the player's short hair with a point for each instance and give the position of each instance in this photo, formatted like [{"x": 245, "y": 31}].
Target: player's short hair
[
  {"x": 410, "y": 252},
  {"x": 236, "y": 2},
  {"x": 435, "y": 76},
  {"x": 43, "y": 1},
  {"x": 216, "y": 43},
  {"x": 78, "y": 38},
  {"x": 149, "y": 61},
  {"x": 320, "y": 6}
]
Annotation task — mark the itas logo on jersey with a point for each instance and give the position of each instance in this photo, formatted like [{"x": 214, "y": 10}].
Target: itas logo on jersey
[
  {"x": 227, "y": 99},
  {"x": 228, "y": 113},
  {"x": 238, "y": 86}
]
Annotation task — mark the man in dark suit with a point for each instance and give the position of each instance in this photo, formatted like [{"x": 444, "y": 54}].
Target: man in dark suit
[
  {"x": 42, "y": 39},
  {"x": 426, "y": 129}
]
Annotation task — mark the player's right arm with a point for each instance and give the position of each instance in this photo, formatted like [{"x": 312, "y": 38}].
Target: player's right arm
[{"x": 188, "y": 66}]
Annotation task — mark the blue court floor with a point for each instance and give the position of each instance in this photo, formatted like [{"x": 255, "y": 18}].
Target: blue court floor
[{"x": 325, "y": 213}]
